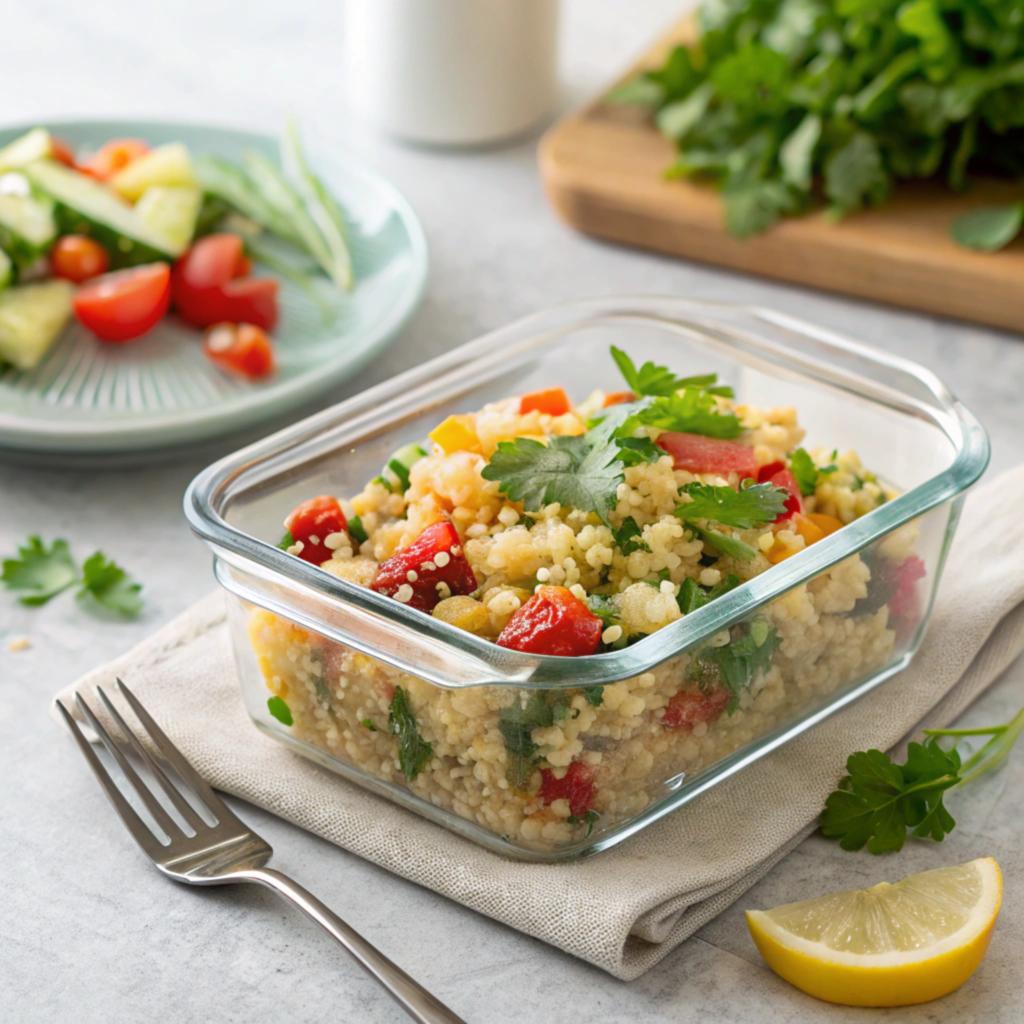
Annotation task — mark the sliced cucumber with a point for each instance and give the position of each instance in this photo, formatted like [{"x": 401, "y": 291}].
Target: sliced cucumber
[
  {"x": 27, "y": 228},
  {"x": 6, "y": 270},
  {"x": 166, "y": 165},
  {"x": 85, "y": 207},
  {"x": 31, "y": 319},
  {"x": 171, "y": 211},
  {"x": 36, "y": 145},
  {"x": 396, "y": 472}
]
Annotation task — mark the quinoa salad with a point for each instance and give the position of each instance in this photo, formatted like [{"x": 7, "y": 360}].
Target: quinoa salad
[{"x": 562, "y": 528}]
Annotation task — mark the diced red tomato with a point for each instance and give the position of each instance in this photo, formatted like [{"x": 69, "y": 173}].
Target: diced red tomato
[
  {"x": 553, "y": 401},
  {"x": 241, "y": 349},
  {"x": 210, "y": 285},
  {"x": 698, "y": 454},
  {"x": 775, "y": 473},
  {"x": 430, "y": 569},
  {"x": 115, "y": 156},
  {"x": 553, "y": 621},
  {"x": 576, "y": 786},
  {"x": 685, "y": 710},
  {"x": 313, "y": 522},
  {"x": 124, "y": 305},
  {"x": 61, "y": 151},
  {"x": 904, "y": 601},
  {"x": 618, "y": 398},
  {"x": 78, "y": 258}
]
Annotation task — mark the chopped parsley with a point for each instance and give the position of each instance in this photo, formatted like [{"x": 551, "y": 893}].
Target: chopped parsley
[
  {"x": 750, "y": 650},
  {"x": 693, "y": 596},
  {"x": 605, "y": 608},
  {"x": 529, "y": 710},
  {"x": 44, "y": 572},
  {"x": 367, "y": 723},
  {"x": 589, "y": 819},
  {"x": 280, "y": 710},
  {"x": 690, "y": 411},
  {"x": 286, "y": 541},
  {"x": 594, "y": 695},
  {"x": 629, "y": 537},
  {"x": 733, "y": 547},
  {"x": 806, "y": 472},
  {"x": 743, "y": 509},
  {"x": 414, "y": 753},
  {"x": 357, "y": 531}
]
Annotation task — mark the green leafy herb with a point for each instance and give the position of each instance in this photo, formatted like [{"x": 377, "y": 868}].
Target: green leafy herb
[
  {"x": 990, "y": 227},
  {"x": 357, "y": 531},
  {"x": 605, "y": 608},
  {"x": 651, "y": 379},
  {"x": 414, "y": 753},
  {"x": 106, "y": 582},
  {"x": 590, "y": 818},
  {"x": 804, "y": 471},
  {"x": 47, "y": 571},
  {"x": 780, "y": 94},
  {"x": 280, "y": 710},
  {"x": 691, "y": 411},
  {"x": 44, "y": 571},
  {"x": 628, "y": 537},
  {"x": 529, "y": 522},
  {"x": 731, "y": 546},
  {"x": 692, "y": 595},
  {"x": 878, "y": 801},
  {"x": 529, "y": 710},
  {"x": 750, "y": 650},
  {"x": 594, "y": 695},
  {"x": 402, "y": 472},
  {"x": 743, "y": 509},
  {"x": 286, "y": 541}
]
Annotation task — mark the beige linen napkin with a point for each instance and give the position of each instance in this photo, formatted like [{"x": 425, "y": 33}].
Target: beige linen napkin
[{"x": 627, "y": 908}]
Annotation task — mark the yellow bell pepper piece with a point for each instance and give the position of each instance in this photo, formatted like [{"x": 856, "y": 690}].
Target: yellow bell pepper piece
[
  {"x": 456, "y": 434},
  {"x": 827, "y": 524}
]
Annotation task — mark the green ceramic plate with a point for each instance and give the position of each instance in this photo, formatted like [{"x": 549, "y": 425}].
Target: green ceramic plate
[{"x": 160, "y": 392}]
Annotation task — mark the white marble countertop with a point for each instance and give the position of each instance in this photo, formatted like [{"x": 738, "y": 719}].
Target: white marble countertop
[{"x": 90, "y": 931}]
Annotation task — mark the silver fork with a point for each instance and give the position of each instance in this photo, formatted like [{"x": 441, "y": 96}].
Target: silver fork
[{"x": 227, "y": 851}]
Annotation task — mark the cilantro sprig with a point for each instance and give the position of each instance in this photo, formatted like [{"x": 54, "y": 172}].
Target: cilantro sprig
[
  {"x": 652, "y": 379},
  {"x": 41, "y": 572},
  {"x": 807, "y": 472},
  {"x": 414, "y": 752},
  {"x": 878, "y": 801}
]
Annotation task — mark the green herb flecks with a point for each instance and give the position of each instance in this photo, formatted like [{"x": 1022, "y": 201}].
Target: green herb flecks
[
  {"x": 43, "y": 572},
  {"x": 807, "y": 472},
  {"x": 732, "y": 547},
  {"x": 744, "y": 509},
  {"x": 367, "y": 723},
  {"x": 286, "y": 541},
  {"x": 357, "y": 531},
  {"x": 735, "y": 665},
  {"x": 629, "y": 537},
  {"x": 280, "y": 710},
  {"x": 414, "y": 753},
  {"x": 693, "y": 596}
]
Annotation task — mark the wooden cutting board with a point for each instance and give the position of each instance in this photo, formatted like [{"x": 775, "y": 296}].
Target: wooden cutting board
[{"x": 603, "y": 170}]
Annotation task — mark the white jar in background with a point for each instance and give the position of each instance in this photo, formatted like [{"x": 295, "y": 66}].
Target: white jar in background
[{"x": 452, "y": 72}]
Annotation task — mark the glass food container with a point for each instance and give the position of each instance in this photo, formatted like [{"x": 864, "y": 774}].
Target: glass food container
[{"x": 527, "y": 754}]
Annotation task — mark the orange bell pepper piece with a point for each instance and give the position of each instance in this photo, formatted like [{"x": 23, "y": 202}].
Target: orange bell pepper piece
[
  {"x": 827, "y": 524},
  {"x": 618, "y": 398},
  {"x": 553, "y": 401}
]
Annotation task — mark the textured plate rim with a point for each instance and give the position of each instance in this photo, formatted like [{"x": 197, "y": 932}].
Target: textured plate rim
[{"x": 125, "y": 433}]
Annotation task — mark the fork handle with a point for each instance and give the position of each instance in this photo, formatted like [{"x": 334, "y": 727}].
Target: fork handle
[{"x": 409, "y": 994}]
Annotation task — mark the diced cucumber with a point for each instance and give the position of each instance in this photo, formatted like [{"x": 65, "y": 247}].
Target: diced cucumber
[
  {"x": 27, "y": 229},
  {"x": 6, "y": 270},
  {"x": 166, "y": 165},
  {"x": 171, "y": 210},
  {"x": 31, "y": 319},
  {"x": 85, "y": 207},
  {"x": 36, "y": 145},
  {"x": 396, "y": 472}
]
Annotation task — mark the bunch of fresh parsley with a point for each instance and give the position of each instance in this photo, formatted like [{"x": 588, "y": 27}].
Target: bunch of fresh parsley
[
  {"x": 779, "y": 94},
  {"x": 43, "y": 572},
  {"x": 878, "y": 801}
]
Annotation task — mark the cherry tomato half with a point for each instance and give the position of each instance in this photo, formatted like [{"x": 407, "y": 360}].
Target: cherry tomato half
[
  {"x": 241, "y": 349},
  {"x": 124, "y": 305},
  {"x": 61, "y": 151},
  {"x": 115, "y": 156},
  {"x": 77, "y": 258},
  {"x": 210, "y": 286},
  {"x": 317, "y": 518}
]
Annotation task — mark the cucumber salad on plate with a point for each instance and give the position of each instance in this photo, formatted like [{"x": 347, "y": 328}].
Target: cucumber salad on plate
[{"x": 121, "y": 235}]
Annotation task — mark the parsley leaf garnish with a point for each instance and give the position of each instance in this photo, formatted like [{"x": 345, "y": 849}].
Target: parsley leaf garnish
[
  {"x": 806, "y": 472},
  {"x": 286, "y": 541},
  {"x": 629, "y": 537},
  {"x": 878, "y": 801},
  {"x": 652, "y": 379},
  {"x": 44, "y": 571},
  {"x": 692, "y": 595},
  {"x": 47, "y": 571},
  {"x": 691, "y": 411},
  {"x": 414, "y": 753},
  {"x": 528, "y": 711},
  {"x": 278, "y": 707},
  {"x": 743, "y": 509},
  {"x": 750, "y": 650},
  {"x": 106, "y": 582}
]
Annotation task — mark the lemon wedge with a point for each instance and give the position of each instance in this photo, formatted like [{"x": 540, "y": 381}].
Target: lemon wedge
[{"x": 890, "y": 945}]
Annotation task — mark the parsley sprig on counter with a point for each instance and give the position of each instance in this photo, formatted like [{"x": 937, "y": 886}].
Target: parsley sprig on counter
[
  {"x": 878, "y": 801},
  {"x": 42, "y": 572},
  {"x": 780, "y": 94}
]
